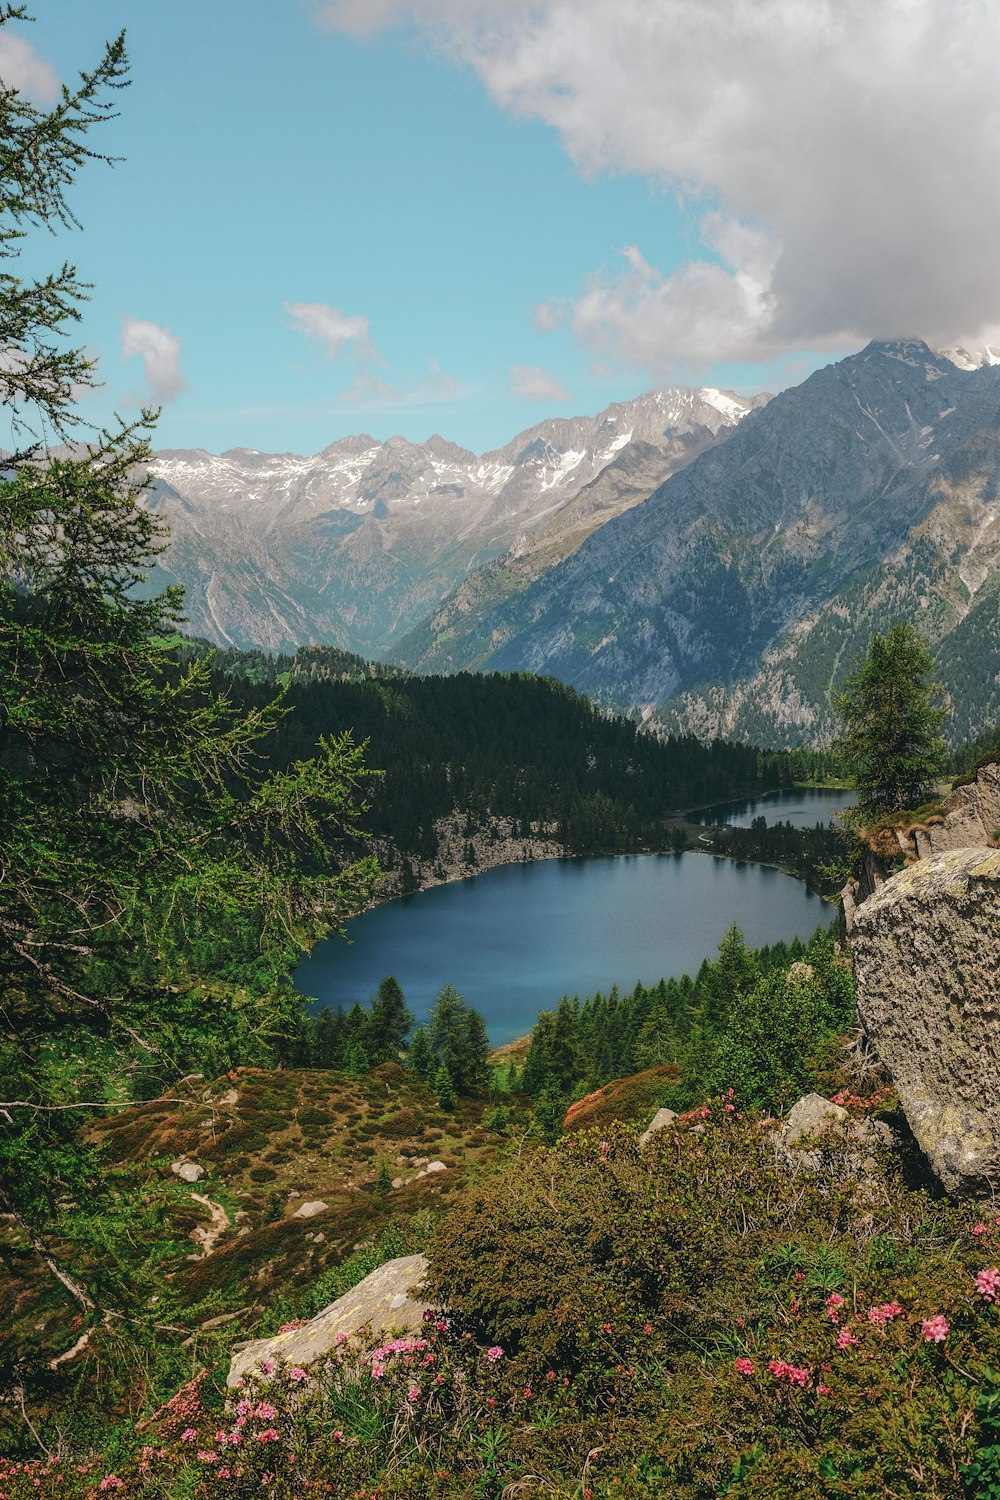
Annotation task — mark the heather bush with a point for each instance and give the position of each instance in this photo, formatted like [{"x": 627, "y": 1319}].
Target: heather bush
[{"x": 689, "y": 1319}]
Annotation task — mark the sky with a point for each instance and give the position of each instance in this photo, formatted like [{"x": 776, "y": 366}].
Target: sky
[{"x": 464, "y": 216}]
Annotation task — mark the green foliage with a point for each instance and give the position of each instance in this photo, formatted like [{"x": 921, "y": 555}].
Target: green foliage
[
  {"x": 504, "y": 746},
  {"x": 158, "y": 880},
  {"x": 457, "y": 1038},
  {"x": 389, "y": 1023},
  {"x": 891, "y": 743},
  {"x": 758, "y": 1022},
  {"x": 444, "y": 1087}
]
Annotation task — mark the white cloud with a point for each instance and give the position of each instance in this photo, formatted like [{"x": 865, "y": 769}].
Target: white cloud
[
  {"x": 22, "y": 69},
  {"x": 842, "y": 156},
  {"x": 160, "y": 352},
  {"x": 532, "y": 383},
  {"x": 336, "y": 331}
]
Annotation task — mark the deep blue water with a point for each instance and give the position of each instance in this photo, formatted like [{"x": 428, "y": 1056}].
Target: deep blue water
[
  {"x": 803, "y": 808},
  {"x": 513, "y": 940}
]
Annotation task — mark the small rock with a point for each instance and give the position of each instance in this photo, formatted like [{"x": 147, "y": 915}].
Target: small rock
[
  {"x": 660, "y": 1121},
  {"x": 435, "y": 1166},
  {"x": 187, "y": 1171},
  {"x": 809, "y": 1116},
  {"x": 397, "y": 1182},
  {"x": 311, "y": 1209},
  {"x": 229, "y": 1098}
]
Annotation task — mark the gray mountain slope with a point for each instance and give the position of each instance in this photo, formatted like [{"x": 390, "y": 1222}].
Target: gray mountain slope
[
  {"x": 731, "y": 599},
  {"x": 355, "y": 545}
]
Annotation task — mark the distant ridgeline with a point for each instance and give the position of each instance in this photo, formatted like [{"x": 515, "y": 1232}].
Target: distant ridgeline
[{"x": 508, "y": 745}]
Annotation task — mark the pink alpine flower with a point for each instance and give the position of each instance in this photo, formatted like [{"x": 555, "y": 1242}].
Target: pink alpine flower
[
  {"x": 494, "y": 1354},
  {"x": 297, "y": 1374},
  {"x": 988, "y": 1284},
  {"x": 845, "y": 1339},
  {"x": 885, "y": 1313},
  {"x": 833, "y": 1305},
  {"x": 935, "y": 1330},
  {"x": 745, "y": 1366}
]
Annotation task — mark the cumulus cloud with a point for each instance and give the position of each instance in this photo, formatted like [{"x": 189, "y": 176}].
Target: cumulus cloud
[
  {"x": 336, "y": 331},
  {"x": 22, "y": 69},
  {"x": 532, "y": 383},
  {"x": 840, "y": 156},
  {"x": 160, "y": 352}
]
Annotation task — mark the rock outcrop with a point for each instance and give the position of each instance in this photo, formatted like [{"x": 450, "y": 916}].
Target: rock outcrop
[
  {"x": 969, "y": 818},
  {"x": 380, "y": 1303},
  {"x": 926, "y": 948}
]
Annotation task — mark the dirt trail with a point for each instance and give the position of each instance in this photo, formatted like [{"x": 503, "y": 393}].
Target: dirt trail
[{"x": 208, "y": 1236}]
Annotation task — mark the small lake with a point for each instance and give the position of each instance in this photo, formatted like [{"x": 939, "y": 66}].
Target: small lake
[
  {"x": 803, "y": 808},
  {"x": 515, "y": 939}
]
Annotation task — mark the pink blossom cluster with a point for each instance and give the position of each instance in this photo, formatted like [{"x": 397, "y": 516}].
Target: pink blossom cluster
[
  {"x": 885, "y": 1313},
  {"x": 384, "y": 1352},
  {"x": 988, "y": 1284},
  {"x": 935, "y": 1330},
  {"x": 782, "y": 1370}
]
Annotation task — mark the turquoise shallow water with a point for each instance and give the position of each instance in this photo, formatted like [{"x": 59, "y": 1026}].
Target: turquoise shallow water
[{"x": 513, "y": 940}]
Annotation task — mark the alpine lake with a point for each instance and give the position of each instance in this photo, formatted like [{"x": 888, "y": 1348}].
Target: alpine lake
[{"x": 513, "y": 940}]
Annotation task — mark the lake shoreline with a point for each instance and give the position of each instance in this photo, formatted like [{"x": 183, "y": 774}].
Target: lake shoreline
[{"x": 497, "y": 846}]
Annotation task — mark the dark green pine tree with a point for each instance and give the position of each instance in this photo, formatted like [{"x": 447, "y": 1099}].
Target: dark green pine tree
[
  {"x": 356, "y": 1061},
  {"x": 475, "y": 1051},
  {"x": 329, "y": 1039},
  {"x": 388, "y": 1024},
  {"x": 420, "y": 1058},
  {"x": 444, "y": 1087},
  {"x": 891, "y": 720}
]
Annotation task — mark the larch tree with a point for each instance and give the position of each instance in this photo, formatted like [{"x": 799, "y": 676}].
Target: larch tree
[
  {"x": 891, "y": 717},
  {"x": 138, "y": 817}
]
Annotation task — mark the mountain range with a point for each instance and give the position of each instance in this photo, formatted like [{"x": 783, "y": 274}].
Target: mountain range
[
  {"x": 358, "y": 544},
  {"x": 707, "y": 561}
]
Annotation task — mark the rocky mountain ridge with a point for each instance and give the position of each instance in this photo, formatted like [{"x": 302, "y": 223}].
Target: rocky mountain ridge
[
  {"x": 731, "y": 600},
  {"x": 355, "y": 545}
]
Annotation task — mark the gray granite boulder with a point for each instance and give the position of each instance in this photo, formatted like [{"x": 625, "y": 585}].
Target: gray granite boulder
[
  {"x": 926, "y": 950},
  {"x": 660, "y": 1121},
  {"x": 311, "y": 1209},
  {"x": 383, "y": 1302},
  {"x": 187, "y": 1171},
  {"x": 811, "y": 1115}
]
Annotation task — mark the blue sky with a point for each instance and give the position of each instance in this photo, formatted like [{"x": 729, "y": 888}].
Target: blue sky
[{"x": 325, "y": 226}]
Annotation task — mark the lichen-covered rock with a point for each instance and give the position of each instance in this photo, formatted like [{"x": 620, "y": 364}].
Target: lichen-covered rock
[
  {"x": 381, "y": 1302},
  {"x": 660, "y": 1121},
  {"x": 927, "y": 964},
  {"x": 809, "y": 1116}
]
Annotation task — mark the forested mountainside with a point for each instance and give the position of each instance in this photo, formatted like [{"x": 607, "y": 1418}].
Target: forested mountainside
[
  {"x": 356, "y": 544},
  {"x": 735, "y": 598},
  {"x": 501, "y": 746}
]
